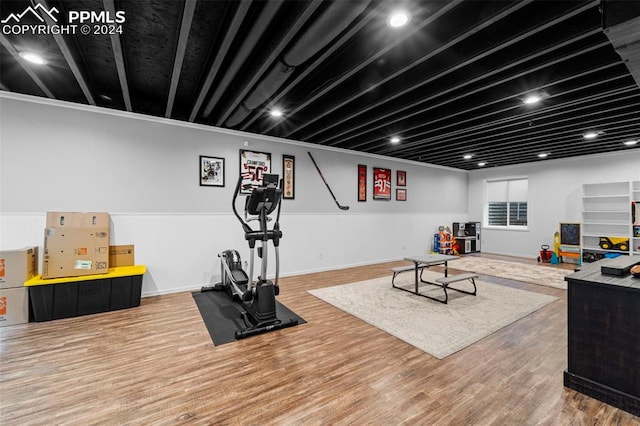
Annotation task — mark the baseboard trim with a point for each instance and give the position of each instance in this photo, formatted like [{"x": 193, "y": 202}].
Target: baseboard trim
[{"x": 606, "y": 394}]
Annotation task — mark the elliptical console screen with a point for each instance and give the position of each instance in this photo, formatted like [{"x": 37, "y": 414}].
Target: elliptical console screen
[
  {"x": 265, "y": 197},
  {"x": 269, "y": 179}
]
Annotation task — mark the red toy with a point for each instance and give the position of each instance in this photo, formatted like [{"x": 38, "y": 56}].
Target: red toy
[{"x": 545, "y": 254}]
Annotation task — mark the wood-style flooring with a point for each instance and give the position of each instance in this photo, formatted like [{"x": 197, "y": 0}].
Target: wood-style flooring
[{"x": 156, "y": 365}]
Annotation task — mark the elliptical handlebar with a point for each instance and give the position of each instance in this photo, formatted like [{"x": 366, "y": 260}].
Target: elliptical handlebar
[
  {"x": 276, "y": 225},
  {"x": 262, "y": 200},
  {"x": 245, "y": 225}
]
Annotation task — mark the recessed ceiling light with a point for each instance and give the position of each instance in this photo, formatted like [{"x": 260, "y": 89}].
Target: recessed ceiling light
[
  {"x": 398, "y": 18},
  {"x": 543, "y": 155},
  {"x": 276, "y": 112},
  {"x": 467, "y": 156},
  {"x": 532, "y": 99},
  {"x": 482, "y": 164},
  {"x": 591, "y": 135},
  {"x": 395, "y": 139},
  {"x": 34, "y": 58},
  {"x": 630, "y": 143}
]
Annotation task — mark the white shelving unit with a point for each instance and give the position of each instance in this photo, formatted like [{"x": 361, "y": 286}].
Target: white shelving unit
[{"x": 606, "y": 212}]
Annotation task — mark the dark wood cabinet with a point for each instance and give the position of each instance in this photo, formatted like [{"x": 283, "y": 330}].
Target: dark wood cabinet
[{"x": 604, "y": 337}]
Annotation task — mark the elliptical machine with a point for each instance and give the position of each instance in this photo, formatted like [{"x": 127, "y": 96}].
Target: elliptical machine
[{"x": 257, "y": 298}]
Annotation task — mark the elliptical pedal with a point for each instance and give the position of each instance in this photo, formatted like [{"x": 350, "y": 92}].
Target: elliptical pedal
[{"x": 215, "y": 287}]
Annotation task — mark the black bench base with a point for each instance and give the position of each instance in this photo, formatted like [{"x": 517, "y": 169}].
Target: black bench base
[{"x": 440, "y": 282}]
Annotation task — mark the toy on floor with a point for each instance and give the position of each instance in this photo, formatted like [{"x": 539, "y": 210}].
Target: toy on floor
[
  {"x": 545, "y": 254},
  {"x": 555, "y": 259},
  {"x": 447, "y": 241}
]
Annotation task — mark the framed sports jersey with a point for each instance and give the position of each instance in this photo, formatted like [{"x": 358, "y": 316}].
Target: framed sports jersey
[
  {"x": 253, "y": 165},
  {"x": 381, "y": 184}
]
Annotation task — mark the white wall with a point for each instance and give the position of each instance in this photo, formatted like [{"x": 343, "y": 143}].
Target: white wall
[
  {"x": 555, "y": 191},
  {"x": 56, "y": 156}
]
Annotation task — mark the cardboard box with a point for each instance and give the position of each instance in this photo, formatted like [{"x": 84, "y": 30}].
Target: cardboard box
[
  {"x": 75, "y": 252},
  {"x": 14, "y": 306},
  {"x": 76, "y": 244},
  {"x": 77, "y": 220},
  {"x": 121, "y": 256},
  {"x": 18, "y": 266}
]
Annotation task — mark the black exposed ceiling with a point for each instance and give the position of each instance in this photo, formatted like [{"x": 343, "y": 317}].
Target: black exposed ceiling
[{"x": 449, "y": 83}]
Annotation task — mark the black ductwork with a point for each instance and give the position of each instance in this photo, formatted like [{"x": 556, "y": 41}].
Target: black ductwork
[
  {"x": 327, "y": 27},
  {"x": 243, "y": 53},
  {"x": 620, "y": 23},
  {"x": 338, "y": 16},
  {"x": 238, "y": 114},
  {"x": 268, "y": 85}
]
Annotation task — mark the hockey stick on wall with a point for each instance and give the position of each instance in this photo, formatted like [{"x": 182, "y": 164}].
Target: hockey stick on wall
[{"x": 325, "y": 182}]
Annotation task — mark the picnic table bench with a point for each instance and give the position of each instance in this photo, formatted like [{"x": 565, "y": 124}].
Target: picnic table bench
[{"x": 424, "y": 261}]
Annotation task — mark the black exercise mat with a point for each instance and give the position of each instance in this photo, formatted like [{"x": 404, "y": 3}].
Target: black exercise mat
[{"x": 222, "y": 317}]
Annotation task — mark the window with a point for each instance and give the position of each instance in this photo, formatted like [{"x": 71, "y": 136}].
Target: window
[{"x": 507, "y": 202}]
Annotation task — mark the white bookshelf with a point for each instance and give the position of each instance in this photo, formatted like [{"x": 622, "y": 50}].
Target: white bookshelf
[{"x": 606, "y": 212}]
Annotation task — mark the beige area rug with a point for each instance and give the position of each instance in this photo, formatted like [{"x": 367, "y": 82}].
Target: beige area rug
[
  {"x": 436, "y": 328},
  {"x": 533, "y": 274}
]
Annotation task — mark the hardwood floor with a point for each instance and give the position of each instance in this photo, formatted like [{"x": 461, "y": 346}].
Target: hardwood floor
[{"x": 156, "y": 364}]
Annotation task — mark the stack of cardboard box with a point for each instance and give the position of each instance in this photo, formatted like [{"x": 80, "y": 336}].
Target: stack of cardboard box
[
  {"x": 16, "y": 267},
  {"x": 76, "y": 244}
]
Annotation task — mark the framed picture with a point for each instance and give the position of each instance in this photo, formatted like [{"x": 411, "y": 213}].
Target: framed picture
[
  {"x": 401, "y": 194},
  {"x": 211, "y": 171},
  {"x": 362, "y": 182},
  {"x": 401, "y": 178},
  {"x": 253, "y": 165},
  {"x": 289, "y": 177},
  {"x": 381, "y": 184}
]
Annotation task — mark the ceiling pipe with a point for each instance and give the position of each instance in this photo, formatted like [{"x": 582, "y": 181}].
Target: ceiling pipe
[
  {"x": 317, "y": 61},
  {"x": 350, "y": 73},
  {"x": 620, "y": 22},
  {"x": 234, "y": 108},
  {"x": 335, "y": 19},
  {"x": 272, "y": 81},
  {"x": 221, "y": 53},
  {"x": 266, "y": 16}
]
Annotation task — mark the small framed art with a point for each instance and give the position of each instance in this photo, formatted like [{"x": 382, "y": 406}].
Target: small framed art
[
  {"x": 211, "y": 171},
  {"x": 362, "y": 182},
  {"x": 401, "y": 194},
  {"x": 401, "y": 178},
  {"x": 289, "y": 177}
]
